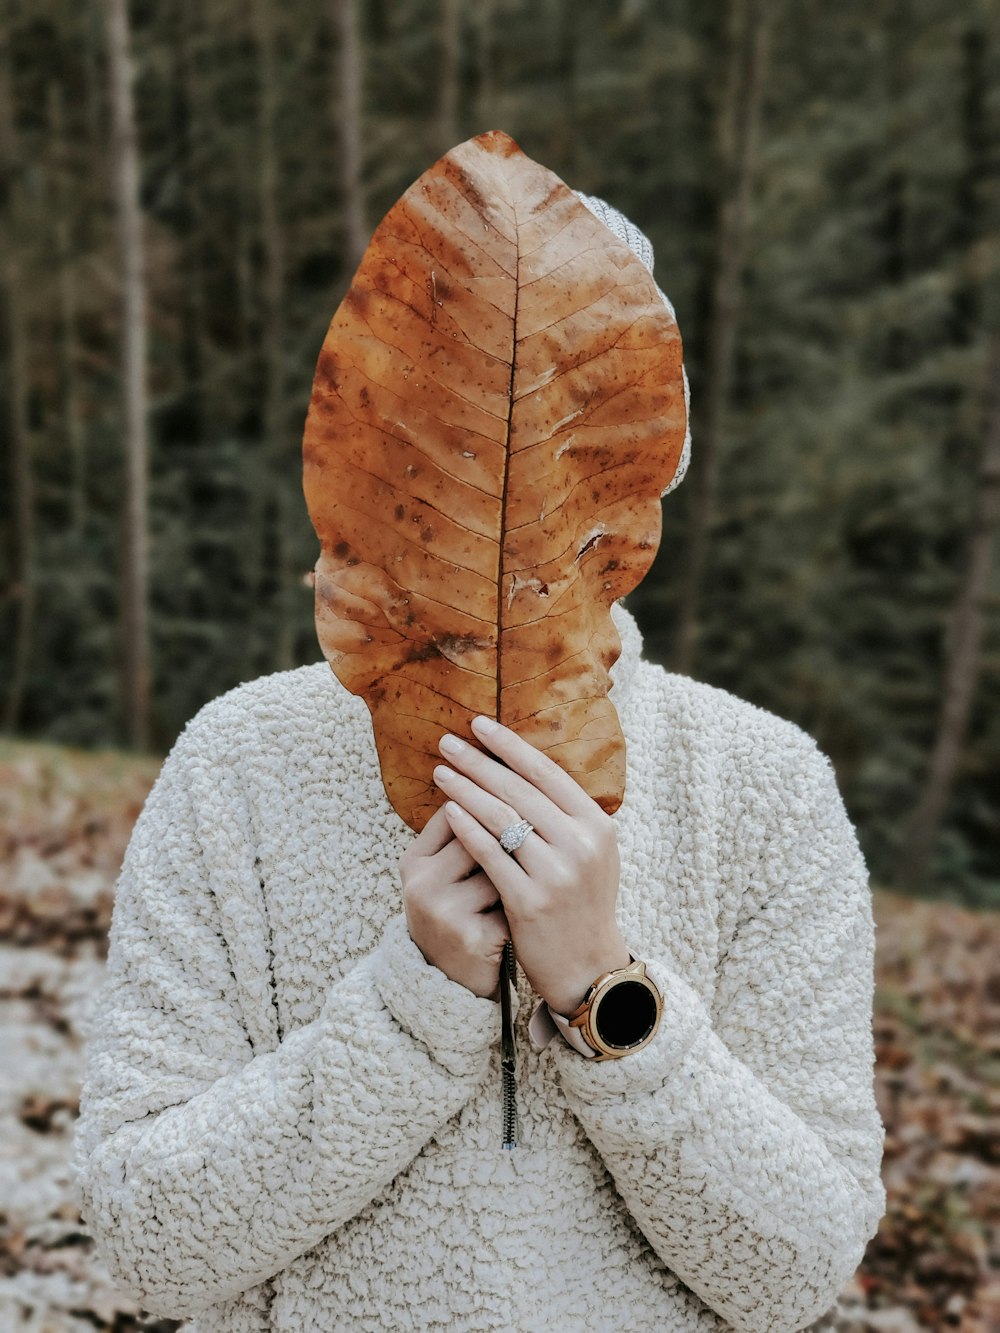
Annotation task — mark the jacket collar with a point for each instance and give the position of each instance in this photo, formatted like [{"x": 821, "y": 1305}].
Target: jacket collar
[{"x": 624, "y": 670}]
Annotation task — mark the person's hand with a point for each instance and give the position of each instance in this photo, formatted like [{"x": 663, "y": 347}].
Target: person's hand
[
  {"x": 454, "y": 916},
  {"x": 559, "y": 887}
]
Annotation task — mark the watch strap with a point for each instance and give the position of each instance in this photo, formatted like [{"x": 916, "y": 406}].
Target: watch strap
[{"x": 573, "y": 1035}]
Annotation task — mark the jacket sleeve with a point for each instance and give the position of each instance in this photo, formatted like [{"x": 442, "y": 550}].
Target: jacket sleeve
[
  {"x": 204, "y": 1166},
  {"x": 746, "y": 1141}
]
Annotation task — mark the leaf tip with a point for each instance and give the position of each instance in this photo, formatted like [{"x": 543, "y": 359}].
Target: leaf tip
[{"x": 499, "y": 142}]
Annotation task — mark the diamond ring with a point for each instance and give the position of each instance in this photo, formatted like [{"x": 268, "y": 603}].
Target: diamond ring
[{"x": 514, "y": 834}]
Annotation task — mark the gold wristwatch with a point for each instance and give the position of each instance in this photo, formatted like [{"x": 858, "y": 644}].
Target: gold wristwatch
[{"x": 620, "y": 1012}]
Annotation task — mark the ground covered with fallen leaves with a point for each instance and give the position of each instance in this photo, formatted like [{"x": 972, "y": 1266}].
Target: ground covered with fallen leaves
[{"x": 65, "y": 818}]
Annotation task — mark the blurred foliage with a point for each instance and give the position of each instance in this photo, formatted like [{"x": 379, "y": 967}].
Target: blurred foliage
[{"x": 853, "y": 431}]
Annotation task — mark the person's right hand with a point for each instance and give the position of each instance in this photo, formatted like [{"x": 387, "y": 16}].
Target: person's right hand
[{"x": 454, "y": 916}]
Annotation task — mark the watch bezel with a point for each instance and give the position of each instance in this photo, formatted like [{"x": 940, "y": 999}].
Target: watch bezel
[{"x": 585, "y": 1019}]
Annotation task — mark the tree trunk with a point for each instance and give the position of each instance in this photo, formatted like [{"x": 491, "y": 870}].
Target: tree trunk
[
  {"x": 135, "y": 572},
  {"x": 964, "y": 640},
  {"x": 69, "y": 381},
  {"x": 275, "y": 520},
  {"x": 567, "y": 58},
  {"x": 93, "y": 36},
  {"x": 24, "y": 592},
  {"x": 896, "y": 260},
  {"x": 486, "y": 93},
  {"x": 193, "y": 418},
  {"x": 347, "y": 116},
  {"x": 447, "y": 110},
  {"x": 23, "y": 589},
  {"x": 968, "y": 221},
  {"x": 750, "y": 22}
]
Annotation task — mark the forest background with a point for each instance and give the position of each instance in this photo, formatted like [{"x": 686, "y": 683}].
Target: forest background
[
  {"x": 184, "y": 204},
  {"x": 185, "y": 191}
]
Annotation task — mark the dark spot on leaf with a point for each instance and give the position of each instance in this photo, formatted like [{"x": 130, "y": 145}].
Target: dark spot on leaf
[
  {"x": 426, "y": 534},
  {"x": 554, "y": 193},
  {"x": 400, "y": 511},
  {"x": 358, "y": 299},
  {"x": 469, "y": 188},
  {"x": 327, "y": 370},
  {"x": 446, "y": 645},
  {"x": 421, "y": 652},
  {"x": 459, "y": 643},
  {"x": 341, "y": 550}
]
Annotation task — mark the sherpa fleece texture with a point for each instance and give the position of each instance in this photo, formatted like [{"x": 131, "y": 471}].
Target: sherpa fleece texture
[{"x": 291, "y": 1120}]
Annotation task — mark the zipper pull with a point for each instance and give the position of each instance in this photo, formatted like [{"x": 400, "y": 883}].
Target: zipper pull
[{"x": 508, "y": 1051}]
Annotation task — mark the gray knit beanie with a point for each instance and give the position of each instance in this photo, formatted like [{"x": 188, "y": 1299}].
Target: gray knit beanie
[{"x": 638, "y": 242}]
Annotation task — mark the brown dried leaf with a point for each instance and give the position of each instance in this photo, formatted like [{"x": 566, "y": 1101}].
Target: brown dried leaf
[{"x": 497, "y": 408}]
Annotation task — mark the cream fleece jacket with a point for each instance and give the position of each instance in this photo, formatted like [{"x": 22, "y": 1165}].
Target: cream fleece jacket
[{"x": 290, "y": 1120}]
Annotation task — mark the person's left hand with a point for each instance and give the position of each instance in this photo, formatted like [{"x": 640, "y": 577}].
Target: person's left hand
[{"x": 560, "y": 886}]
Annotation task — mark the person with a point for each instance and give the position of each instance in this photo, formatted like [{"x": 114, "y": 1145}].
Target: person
[{"x": 290, "y": 1113}]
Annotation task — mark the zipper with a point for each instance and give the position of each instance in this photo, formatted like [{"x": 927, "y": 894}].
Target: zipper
[{"x": 508, "y": 1052}]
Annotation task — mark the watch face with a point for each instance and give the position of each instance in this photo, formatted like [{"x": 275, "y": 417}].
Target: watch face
[{"x": 626, "y": 1014}]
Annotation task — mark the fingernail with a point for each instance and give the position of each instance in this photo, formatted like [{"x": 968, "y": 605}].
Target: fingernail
[
  {"x": 451, "y": 808},
  {"x": 452, "y": 745},
  {"x": 484, "y": 725},
  {"x": 442, "y": 773}
]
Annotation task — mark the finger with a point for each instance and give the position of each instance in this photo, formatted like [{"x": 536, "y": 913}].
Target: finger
[
  {"x": 496, "y": 926},
  {"x": 493, "y": 814},
  {"x": 480, "y": 893},
  {"x": 452, "y": 862},
  {"x": 534, "y": 766},
  {"x": 433, "y": 836},
  {"x": 522, "y": 799},
  {"x": 504, "y": 872}
]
